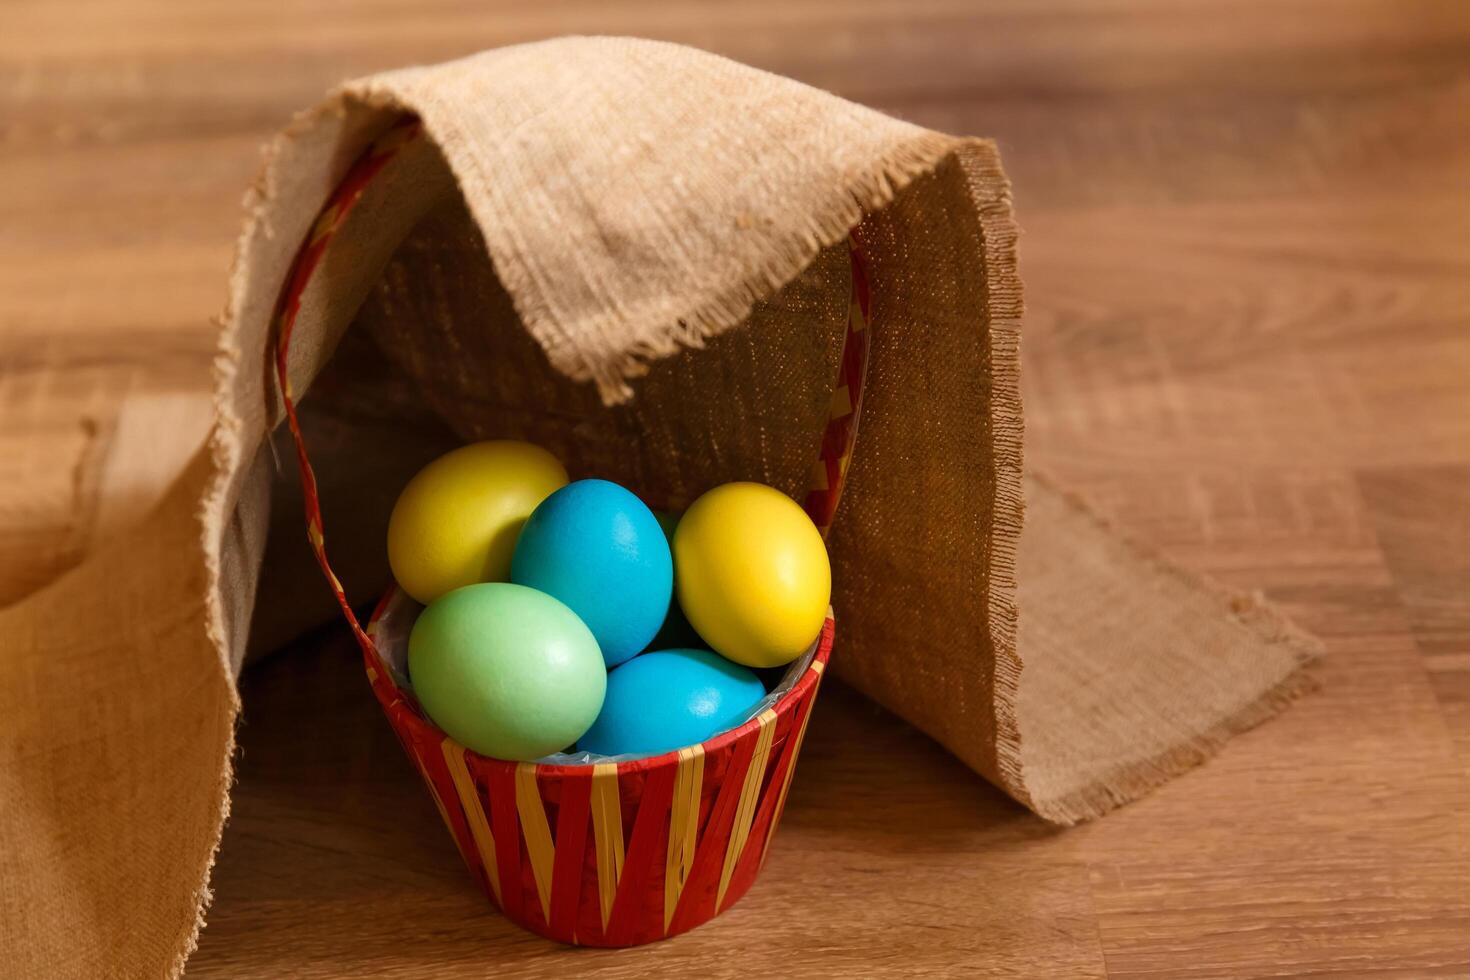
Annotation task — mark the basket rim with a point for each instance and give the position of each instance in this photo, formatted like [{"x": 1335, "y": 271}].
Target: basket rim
[{"x": 390, "y": 696}]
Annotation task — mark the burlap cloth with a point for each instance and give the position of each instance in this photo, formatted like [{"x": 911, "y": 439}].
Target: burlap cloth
[{"x": 563, "y": 255}]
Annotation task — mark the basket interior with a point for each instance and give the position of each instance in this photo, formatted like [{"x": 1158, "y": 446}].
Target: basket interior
[{"x": 393, "y": 622}]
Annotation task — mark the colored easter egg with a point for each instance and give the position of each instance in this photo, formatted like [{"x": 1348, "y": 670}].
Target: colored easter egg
[
  {"x": 506, "y": 671},
  {"x": 752, "y": 574},
  {"x": 456, "y": 521},
  {"x": 668, "y": 699},
  {"x": 599, "y": 549}
]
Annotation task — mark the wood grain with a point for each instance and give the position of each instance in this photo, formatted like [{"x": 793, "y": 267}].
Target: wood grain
[{"x": 1248, "y": 341}]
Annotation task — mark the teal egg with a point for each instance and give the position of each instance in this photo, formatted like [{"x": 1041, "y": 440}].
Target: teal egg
[
  {"x": 505, "y": 670},
  {"x": 668, "y": 699},
  {"x": 598, "y": 548}
]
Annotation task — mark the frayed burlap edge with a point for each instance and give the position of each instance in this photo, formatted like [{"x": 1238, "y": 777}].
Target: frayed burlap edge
[
  {"x": 786, "y": 254},
  {"x": 225, "y": 457},
  {"x": 1126, "y": 783},
  {"x": 990, "y": 190}
]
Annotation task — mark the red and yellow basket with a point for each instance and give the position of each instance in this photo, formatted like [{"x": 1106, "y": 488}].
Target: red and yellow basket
[{"x": 616, "y": 853}]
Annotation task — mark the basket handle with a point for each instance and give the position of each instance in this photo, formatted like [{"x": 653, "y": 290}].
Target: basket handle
[{"x": 838, "y": 436}]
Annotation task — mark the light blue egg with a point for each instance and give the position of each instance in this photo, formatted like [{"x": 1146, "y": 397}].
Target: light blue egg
[
  {"x": 599, "y": 549},
  {"x": 668, "y": 699}
]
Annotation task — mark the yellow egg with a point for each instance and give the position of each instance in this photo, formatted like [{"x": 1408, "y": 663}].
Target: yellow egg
[
  {"x": 752, "y": 574},
  {"x": 457, "y": 520}
]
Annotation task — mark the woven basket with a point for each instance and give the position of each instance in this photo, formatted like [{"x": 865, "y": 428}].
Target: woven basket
[
  {"x": 614, "y": 854},
  {"x": 611, "y": 854}
]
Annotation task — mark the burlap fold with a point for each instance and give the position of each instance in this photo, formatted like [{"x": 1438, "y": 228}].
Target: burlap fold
[{"x": 633, "y": 253}]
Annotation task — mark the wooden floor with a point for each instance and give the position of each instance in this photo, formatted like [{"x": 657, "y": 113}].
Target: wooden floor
[{"x": 1247, "y": 257}]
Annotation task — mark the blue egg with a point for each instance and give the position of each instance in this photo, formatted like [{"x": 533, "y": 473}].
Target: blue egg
[
  {"x": 598, "y": 548},
  {"x": 669, "y": 699}
]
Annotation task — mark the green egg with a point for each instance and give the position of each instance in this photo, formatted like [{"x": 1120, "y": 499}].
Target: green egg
[{"x": 506, "y": 670}]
